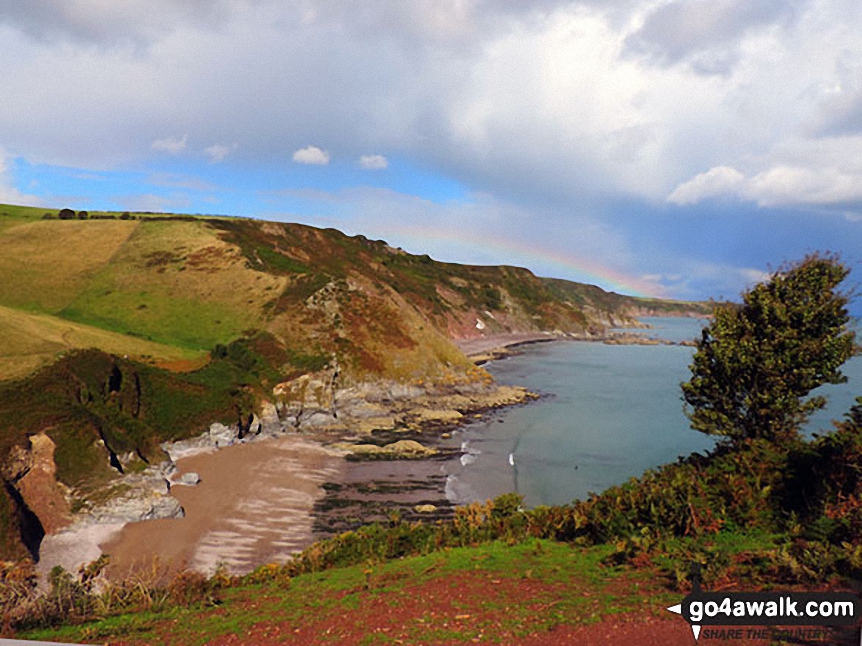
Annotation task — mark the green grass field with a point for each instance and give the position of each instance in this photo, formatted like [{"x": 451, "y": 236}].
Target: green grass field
[{"x": 28, "y": 341}]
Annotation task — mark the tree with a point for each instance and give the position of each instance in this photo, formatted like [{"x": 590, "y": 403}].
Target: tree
[{"x": 755, "y": 363}]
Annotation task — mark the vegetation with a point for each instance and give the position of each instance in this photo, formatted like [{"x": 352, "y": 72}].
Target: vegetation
[
  {"x": 752, "y": 515},
  {"x": 768, "y": 509},
  {"x": 184, "y": 284},
  {"x": 754, "y": 364}
]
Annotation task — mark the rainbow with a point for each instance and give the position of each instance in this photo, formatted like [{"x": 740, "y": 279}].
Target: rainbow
[{"x": 529, "y": 254}]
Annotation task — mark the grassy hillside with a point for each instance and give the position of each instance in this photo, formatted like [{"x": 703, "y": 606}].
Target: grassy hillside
[
  {"x": 121, "y": 331},
  {"x": 185, "y": 284},
  {"x": 31, "y": 340}
]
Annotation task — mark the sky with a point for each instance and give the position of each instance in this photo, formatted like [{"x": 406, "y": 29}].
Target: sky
[{"x": 675, "y": 148}]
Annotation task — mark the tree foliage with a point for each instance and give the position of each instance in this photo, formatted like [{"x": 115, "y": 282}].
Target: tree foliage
[{"x": 755, "y": 364}]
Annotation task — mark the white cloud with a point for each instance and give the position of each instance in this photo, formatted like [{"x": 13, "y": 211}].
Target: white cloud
[
  {"x": 707, "y": 34},
  {"x": 218, "y": 153},
  {"x": 716, "y": 182},
  {"x": 171, "y": 145},
  {"x": 9, "y": 194},
  {"x": 311, "y": 155},
  {"x": 373, "y": 162},
  {"x": 781, "y": 185}
]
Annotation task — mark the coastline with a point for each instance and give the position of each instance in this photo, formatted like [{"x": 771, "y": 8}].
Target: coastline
[
  {"x": 267, "y": 495},
  {"x": 338, "y": 471},
  {"x": 483, "y": 349}
]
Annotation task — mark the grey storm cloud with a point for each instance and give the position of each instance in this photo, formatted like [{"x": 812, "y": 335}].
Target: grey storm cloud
[
  {"x": 109, "y": 23},
  {"x": 146, "y": 21},
  {"x": 705, "y": 32}
]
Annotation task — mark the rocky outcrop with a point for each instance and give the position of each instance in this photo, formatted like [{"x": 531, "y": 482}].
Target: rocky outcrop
[
  {"x": 403, "y": 449},
  {"x": 39, "y": 488}
]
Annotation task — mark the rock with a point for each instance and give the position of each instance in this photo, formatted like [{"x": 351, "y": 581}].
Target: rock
[
  {"x": 221, "y": 435},
  {"x": 164, "y": 507},
  {"x": 370, "y": 424},
  {"x": 161, "y": 486},
  {"x": 136, "y": 506},
  {"x": 409, "y": 448},
  {"x": 318, "y": 420},
  {"x": 399, "y": 449},
  {"x": 425, "y": 509},
  {"x": 445, "y": 416},
  {"x": 269, "y": 420},
  {"x": 191, "y": 478}
]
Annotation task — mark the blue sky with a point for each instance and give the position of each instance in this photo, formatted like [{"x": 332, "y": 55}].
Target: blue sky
[{"x": 673, "y": 147}]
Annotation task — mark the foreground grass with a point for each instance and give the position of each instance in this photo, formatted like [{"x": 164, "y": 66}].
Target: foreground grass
[{"x": 495, "y": 592}]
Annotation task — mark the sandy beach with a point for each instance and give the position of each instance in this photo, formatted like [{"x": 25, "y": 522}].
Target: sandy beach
[
  {"x": 253, "y": 505},
  {"x": 481, "y": 345}
]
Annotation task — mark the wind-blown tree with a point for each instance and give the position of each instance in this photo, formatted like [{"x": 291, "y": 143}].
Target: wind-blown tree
[{"x": 755, "y": 364}]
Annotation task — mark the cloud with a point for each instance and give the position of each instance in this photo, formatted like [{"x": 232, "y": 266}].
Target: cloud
[
  {"x": 217, "y": 153},
  {"x": 549, "y": 100},
  {"x": 108, "y": 24},
  {"x": 706, "y": 33},
  {"x": 781, "y": 185},
  {"x": 173, "y": 146},
  {"x": 9, "y": 194},
  {"x": 785, "y": 185},
  {"x": 373, "y": 162},
  {"x": 311, "y": 155},
  {"x": 716, "y": 182}
]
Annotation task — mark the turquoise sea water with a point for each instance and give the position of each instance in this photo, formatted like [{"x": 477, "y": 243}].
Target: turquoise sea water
[{"x": 607, "y": 413}]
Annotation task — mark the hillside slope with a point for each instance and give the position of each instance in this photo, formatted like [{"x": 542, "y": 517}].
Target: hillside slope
[
  {"x": 119, "y": 332},
  {"x": 189, "y": 283}
]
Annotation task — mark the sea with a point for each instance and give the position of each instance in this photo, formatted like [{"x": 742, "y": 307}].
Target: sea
[{"x": 606, "y": 414}]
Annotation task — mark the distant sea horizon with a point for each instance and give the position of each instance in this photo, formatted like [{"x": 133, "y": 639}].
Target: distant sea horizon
[{"x": 607, "y": 413}]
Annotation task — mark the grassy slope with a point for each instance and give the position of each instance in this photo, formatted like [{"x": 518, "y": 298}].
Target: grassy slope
[
  {"x": 29, "y": 340},
  {"x": 190, "y": 283},
  {"x": 177, "y": 283},
  {"x": 493, "y": 592}
]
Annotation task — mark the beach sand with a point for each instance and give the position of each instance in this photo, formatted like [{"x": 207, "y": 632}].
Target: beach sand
[
  {"x": 253, "y": 506},
  {"x": 483, "y": 344}
]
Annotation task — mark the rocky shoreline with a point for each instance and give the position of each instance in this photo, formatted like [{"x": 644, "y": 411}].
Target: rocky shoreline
[
  {"x": 393, "y": 435},
  {"x": 389, "y": 433}
]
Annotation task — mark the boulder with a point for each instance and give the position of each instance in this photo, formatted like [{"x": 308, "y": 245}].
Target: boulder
[
  {"x": 221, "y": 435},
  {"x": 191, "y": 478}
]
